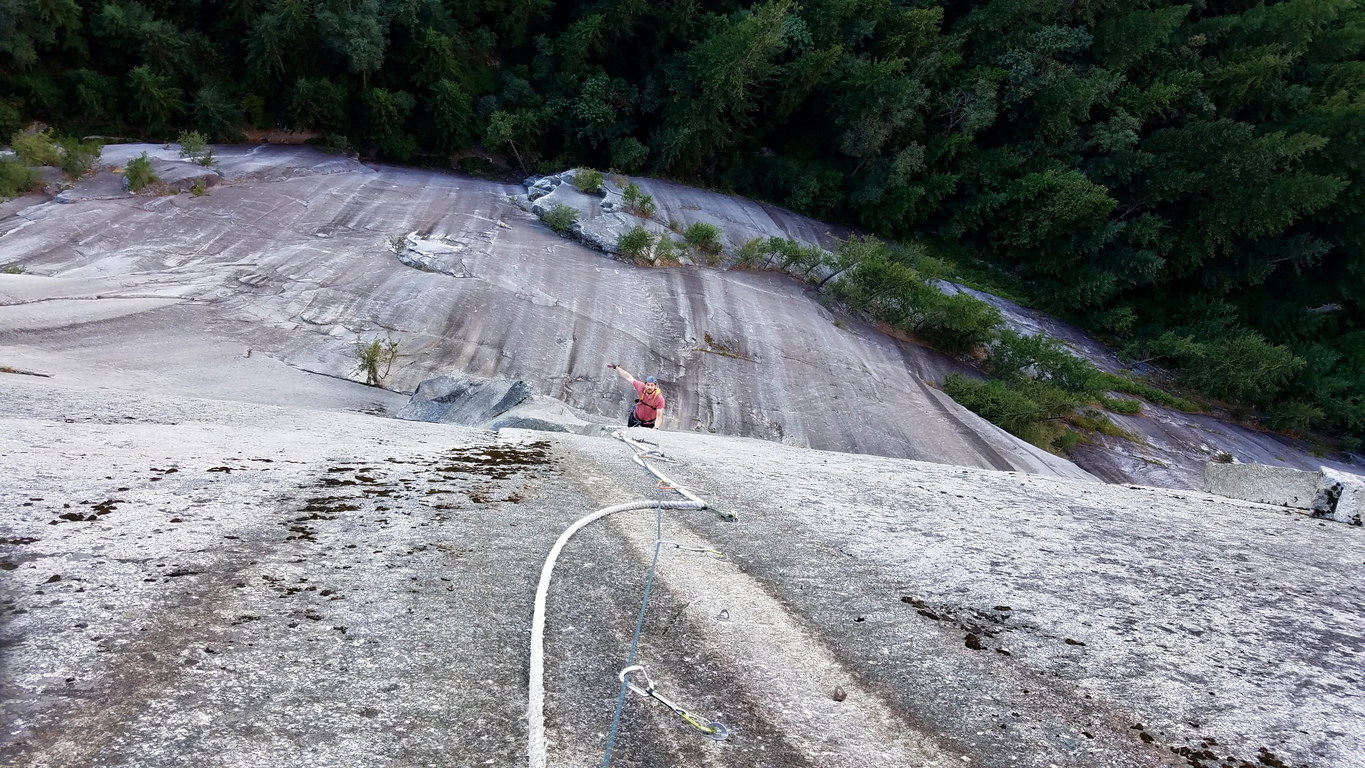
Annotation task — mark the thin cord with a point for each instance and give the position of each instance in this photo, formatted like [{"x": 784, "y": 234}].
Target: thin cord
[{"x": 635, "y": 640}]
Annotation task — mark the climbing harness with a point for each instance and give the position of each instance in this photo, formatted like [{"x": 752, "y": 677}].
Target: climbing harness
[
  {"x": 713, "y": 730},
  {"x": 537, "y": 743}
]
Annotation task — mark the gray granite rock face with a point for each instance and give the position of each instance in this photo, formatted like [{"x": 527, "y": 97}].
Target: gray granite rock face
[
  {"x": 1327, "y": 493},
  {"x": 231, "y": 584},
  {"x": 461, "y": 399},
  {"x": 1268, "y": 485},
  {"x": 1340, "y": 497},
  {"x": 292, "y": 257},
  {"x": 431, "y": 255}
]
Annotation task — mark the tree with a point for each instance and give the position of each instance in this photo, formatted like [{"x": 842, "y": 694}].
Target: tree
[
  {"x": 317, "y": 103},
  {"x": 359, "y": 35},
  {"x": 216, "y": 113},
  {"x": 513, "y": 131},
  {"x": 156, "y": 99},
  {"x": 450, "y": 114},
  {"x": 717, "y": 89}
]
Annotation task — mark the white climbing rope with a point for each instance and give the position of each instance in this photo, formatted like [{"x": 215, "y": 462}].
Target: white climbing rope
[{"x": 537, "y": 744}]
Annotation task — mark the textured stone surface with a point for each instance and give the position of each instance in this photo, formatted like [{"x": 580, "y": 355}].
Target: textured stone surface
[
  {"x": 1326, "y": 493},
  {"x": 218, "y": 551},
  {"x": 1268, "y": 485},
  {"x": 460, "y": 399},
  {"x": 292, "y": 257},
  {"x": 1342, "y": 496},
  {"x": 219, "y": 583}
]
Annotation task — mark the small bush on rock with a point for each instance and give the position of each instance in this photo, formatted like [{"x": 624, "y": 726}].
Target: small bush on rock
[
  {"x": 193, "y": 144},
  {"x": 637, "y": 202},
  {"x": 560, "y": 218},
  {"x": 752, "y": 252},
  {"x": 16, "y": 178},
  {"x": 703, "y": 236},
  {"x": 666, "y": 249},
  {"x": 78, "y": 157},
  {"x": 588, "y": 181},
  {"x": 374, "y": 359},
  {"x": 139, "y": 172},
  {"x": 635, "y": 243},
  {"x": 36, "y": 148}
]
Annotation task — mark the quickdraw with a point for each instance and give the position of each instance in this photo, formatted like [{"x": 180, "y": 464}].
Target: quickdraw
[{"x": 715, "y": 731}]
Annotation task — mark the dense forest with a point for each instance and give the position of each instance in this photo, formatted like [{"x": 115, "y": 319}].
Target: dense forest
[{"x": 1185, "y": 178}]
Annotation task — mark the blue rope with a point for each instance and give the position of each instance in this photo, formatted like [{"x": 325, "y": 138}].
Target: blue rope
[{"x": 639, "y": 625}]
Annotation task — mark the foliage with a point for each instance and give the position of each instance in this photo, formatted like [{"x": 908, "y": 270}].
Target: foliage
[
  {"x": 1014, "y": 356},
  {"x": 635, "y": 242},
  {"x": 139, "y": 172},
  {"x": 1096, "y": 421},
  {"x": 199, "y": 189},
  {"x": 37, "y": 148},
  {"x": 637, "y": 202},
  {"x": 560, "y": 218},
  {"x": 1130, "y": 165},
  {"x": 78, "y": 157},
  {"x": 375, "y": 359},
  {"x": 703, "y": 236},
  {"x": 588, "y": 181},
  {"x": 1130, "y": 386},
  {"x": 1243, "y": 368},
  {"x": 666, "y": 249},
  {"x": 13, "y": 269},
  {"x": 1019, "y": 410},
  {"x": 193, "y": 144},
  {"x": 752, "y": 252},
  {"x": 16, "y": 178},
  {"x": 1120, "y": 405},
  {"x": 957, "y": 323}
]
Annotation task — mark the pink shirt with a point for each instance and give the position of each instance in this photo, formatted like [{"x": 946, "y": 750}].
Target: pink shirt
[{"x": 647, "y": 409}]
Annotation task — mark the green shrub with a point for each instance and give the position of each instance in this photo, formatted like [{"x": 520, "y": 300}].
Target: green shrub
[
  {"x": 16, "y": 178},
  {"x": 1121, "y": 405},
  {"x": 13, "y": 269},
  {"x": 1097, "y": 421},
  {"x": 336, "y": 144},
  {"x": 752, "y": 252},
  {"x": 36, "y": 148},
  {"x": 198, "y": 189},
  {"x": 10, "y": 118},
  {"x": 588, "y": 181},
  {"x": 666, "y": 249},
  {"x": 628, "y": 154},
  {"x": 1293, "y": 416},
  {"x": 637, "y": 202},
  {"x": 957, "y": 323},
  {"x": 703, "y": 236},
  {"x": 78, "y": 157},
  {"x": 560, "y": 218},
  {"x": 1053, "y": 402},
  {"x": 139, "y": 172},
  {"x": 1066, "y": 440},
  {"x": 1130, "y": 386},
  {"x": 1016, "y": 355},
  {"x": 635, "y": 243},
  {"x": 193, "y": 144},
  {"x": 993, "y": 401},
  {"x": 374, "y": 359},
  {"x": 796, "y": 254}
]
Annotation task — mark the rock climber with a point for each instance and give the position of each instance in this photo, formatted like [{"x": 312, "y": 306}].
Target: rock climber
[{"x": 649, "y": 401}]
